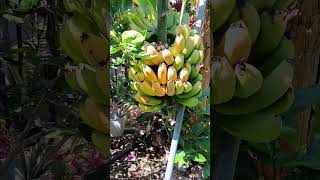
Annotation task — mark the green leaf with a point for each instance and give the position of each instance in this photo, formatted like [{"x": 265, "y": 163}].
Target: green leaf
[
  {"x": 12, "y": 18},
  {"x": 29, "y": 4},
  {"x": 133, "y": 37},
  {"x": 199, "y": 158},
  {"x": 257, "y": 127},
  {"x": 181, "y": 159},
  {"x": 311, "y": 159}
]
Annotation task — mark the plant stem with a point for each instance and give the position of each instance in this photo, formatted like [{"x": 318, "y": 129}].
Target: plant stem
[
  {"x": 175, "y": 141},
  {"x": 183, "y": 7},
  {"x": 162, "y": 7},
  {"x": 228, "y": 148}
]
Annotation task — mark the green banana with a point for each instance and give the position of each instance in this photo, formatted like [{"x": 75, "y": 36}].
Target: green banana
[
  {"x": 237, "y": 43},
  {"x": 178, "y": 61},
  {"x": 194, "y": 72},
  {"x": 221, "y": 10},
  {"x": 187, "y": 87},
  {"x": 284, "y": 51},
  {"x": 147, "y": 108},
  {"x": 274, "y": 86},
  {"x": 282, "y": 4},
  {"x": 146, "y": 88},
  {"x": 272, "y": 30},
  {"x": 94, "y": 115},
  {"x": 281, "y": 105},
  {"x": 261, "y": 5},
  {"x": 86, "y": 77},
  {"x": 223, "y": 81},
  {"x": 201, "y": 57},
  {"x": 179, "y": 87},
  {"x": 189, "y": 102},
  {"x": 194, "y": 57},
  {"x": 71, "y": 77},
  {"x": 196, "y": 88},
  {"x": 248, "y": 80},
  {"x": 189, "y": 47},
  {"x": 197, "y": 41},
  {"x": 147, "y": 100},
  {"x": 102, "y": 78},
  {"x": 251, "y": 18},
  {"x": 95, "y": 48}
]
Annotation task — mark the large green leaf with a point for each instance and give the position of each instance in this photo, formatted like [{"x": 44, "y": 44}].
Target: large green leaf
[
  {"x": 254, "y": 127},
  {"x": 311, "y": 159}
]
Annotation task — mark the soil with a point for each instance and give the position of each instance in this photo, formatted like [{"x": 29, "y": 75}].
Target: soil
[{"x": 144, "y": 154}]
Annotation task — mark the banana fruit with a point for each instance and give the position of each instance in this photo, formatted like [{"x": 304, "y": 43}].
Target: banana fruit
[
  {"x": 251, "y": 73},
  {"x": 166, "y": 73}
]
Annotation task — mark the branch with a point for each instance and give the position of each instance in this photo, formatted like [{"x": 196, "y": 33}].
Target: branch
[{"x": 162, "y": 6}]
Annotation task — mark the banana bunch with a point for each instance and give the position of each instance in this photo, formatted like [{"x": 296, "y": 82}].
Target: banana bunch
[
  {"x": 83, "y": 38},
  {"x": 169, "y": 72},
  {"x": 144, "y": 17},
  {"x": 250, "y": 71}
]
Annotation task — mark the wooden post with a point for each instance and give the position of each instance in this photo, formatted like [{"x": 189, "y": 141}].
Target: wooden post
[{"x": 304, "y": 30}]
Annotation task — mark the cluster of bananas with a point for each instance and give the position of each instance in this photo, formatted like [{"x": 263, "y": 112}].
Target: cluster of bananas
[
  {"x": 86, "y": 44},
  {"x": 169, "y": 71},
  {"x": 251, "y": 71},
  {"x": 144, "y": 17}
]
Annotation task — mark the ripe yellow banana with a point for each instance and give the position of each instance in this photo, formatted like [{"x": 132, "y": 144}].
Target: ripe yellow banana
[
  {"x": 179, "y": 87},
  {"x": 170, "y": 88},
  {"x": 151, "y": 50},
  {"x": 167, "y": 56},
  {"x": 159, "y": 91},
  {"x": 184, "y": 74},
  {"x": 162, "y": 73},
  {"x": 150, "y": 74},
  {"x": 172, "y": 74},
  {"x": 146, "y": 88},
  {"x": 179, "y": 45},
  {"x": 184, "y": 30},
  {"x": 147, "y": 100},
  {"x": 178, "y": 61}
]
